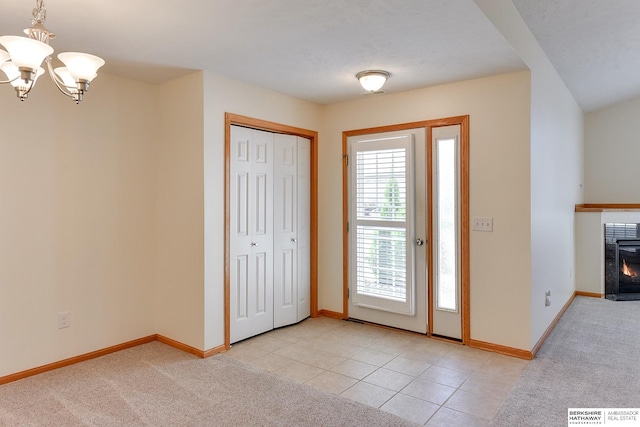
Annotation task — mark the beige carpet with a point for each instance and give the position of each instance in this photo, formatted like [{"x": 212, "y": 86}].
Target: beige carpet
[
  {"x": 590, "y": 360},
  {"x": 156, "y": 385}
]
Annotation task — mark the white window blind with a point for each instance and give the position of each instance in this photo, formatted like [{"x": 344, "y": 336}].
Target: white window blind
[
  {"x": 382, "y": 260},
  {"x": 382, "y": 185}
]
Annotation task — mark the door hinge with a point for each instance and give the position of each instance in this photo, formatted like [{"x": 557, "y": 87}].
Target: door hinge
[
  {"x": 346, "y": 158},
  {"x": 347, "y": 226},
  {"x": 348, "y": 293}
]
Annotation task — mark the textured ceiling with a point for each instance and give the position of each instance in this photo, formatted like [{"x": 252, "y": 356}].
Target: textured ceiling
[
  {"x": 593, "y": 44},
  {"x": 312, "y": 49},
  {"x": 309, "y": 49}
]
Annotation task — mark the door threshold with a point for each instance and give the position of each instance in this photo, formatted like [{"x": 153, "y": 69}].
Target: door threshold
[
  {"x": 379, "y": 325},
  {"x": 406, "y": 331},
  {"x": 444, "y": 338}
]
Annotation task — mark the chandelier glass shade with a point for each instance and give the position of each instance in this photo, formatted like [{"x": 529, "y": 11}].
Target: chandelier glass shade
[
  {"x": 81, "y": 66},
  {"x": 23, "y": 58},
  {"x": 25, "y": 52}
]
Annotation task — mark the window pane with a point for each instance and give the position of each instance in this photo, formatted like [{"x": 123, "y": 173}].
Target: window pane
[{"x": 447, "y": 280}]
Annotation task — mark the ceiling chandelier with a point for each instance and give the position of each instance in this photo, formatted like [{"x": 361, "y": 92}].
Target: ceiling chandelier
[{"x": 22, "y": 61}]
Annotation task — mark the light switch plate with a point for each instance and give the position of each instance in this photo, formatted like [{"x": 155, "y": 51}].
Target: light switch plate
[{"x": 482, "y": 223}]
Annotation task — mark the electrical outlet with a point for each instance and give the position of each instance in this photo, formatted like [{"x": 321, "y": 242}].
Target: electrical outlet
[
  {"x": 547, "y": 298},
  {"x": 64, "y": 319},
  {"x": 481, "y": 223}
]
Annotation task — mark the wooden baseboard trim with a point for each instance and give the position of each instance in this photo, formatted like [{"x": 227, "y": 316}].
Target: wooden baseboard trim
[
  {"x": 103, "y": 352},
  {"x": 215, "y": 350},
  {"x": 76, "y": 359},
  {"x": 523, "y": 354},
  {"x": 332, "y": 314},
  {"x": 181, "y": 346},
  {"x": 502, "y": 349},
  {"x": 191, "y": 350},
  {"x": 589, "y": 294},
  {"x": 552, "y": 325}
]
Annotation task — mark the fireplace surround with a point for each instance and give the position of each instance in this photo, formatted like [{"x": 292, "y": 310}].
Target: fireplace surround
[{"x": 622, "y": 261}]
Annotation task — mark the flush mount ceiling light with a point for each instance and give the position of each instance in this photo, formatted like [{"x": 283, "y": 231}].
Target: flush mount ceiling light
[
  {"x": 372, "y": 80},
  {"x": 24, "y": 56}
]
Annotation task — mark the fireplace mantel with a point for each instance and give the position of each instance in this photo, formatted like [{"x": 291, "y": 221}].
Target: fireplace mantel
[{"x": 608, "y": 207}]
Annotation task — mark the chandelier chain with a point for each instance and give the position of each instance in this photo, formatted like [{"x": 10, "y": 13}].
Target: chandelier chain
[{"x": 39, "y": 13}]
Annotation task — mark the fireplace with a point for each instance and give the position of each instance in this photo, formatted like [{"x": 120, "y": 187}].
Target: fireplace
[{"x": 622, "y": 261}]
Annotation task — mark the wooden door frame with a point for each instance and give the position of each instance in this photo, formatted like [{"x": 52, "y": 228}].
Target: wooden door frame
[
  {"x": 428, "y": 125},
  {"x": 249, "y": 122}
]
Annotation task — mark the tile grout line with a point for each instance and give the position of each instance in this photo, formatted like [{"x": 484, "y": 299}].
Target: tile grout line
[{"x": 373, "y": 341}]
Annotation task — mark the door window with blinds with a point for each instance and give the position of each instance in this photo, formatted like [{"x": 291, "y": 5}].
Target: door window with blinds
[{"x": 381, "y": 228}]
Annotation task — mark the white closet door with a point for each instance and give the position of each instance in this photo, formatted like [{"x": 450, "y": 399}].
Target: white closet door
[
  {"x": 292, "y": 224},
  {"x": 304, "y": 228},
  {"x": 251, "y": 232},
  {"x": 285, "y": 196}
]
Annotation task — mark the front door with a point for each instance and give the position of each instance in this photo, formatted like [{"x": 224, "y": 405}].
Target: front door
[{"x": 387, "y": 229}]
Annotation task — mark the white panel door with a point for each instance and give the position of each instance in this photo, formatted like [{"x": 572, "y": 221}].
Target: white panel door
[
  {"x": 292, "y": 224},
  {"x": 251, "y": 232},
  {"x": 285, "y": 195},
  {"x": 387, "y": 217},
  {"x": 304, "y": 228}
]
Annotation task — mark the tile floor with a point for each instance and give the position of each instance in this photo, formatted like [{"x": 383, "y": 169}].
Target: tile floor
[{"x": 427, "y": 381}]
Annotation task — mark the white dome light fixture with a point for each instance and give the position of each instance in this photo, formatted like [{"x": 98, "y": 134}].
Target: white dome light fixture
[
  {"x": 372, "y": 80},
  {"x": 22, "y": 61}
]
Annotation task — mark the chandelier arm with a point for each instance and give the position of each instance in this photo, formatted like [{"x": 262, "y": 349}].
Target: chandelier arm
[
  {"x": 9, "y": 81},
  {"x": 24, "y": 94},
  {"x": 23, "y": 91},
  {"x": 57, "y": 81}
]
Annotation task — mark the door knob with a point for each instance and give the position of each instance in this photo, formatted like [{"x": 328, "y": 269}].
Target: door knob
[
  {"x": 293, "y": 239},
  {"x": 254, "y": 244},
  {"x": 419, "y": 242}
]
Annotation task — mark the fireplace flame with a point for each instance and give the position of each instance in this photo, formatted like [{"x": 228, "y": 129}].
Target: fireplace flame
[{"x": 626, "y": 270}]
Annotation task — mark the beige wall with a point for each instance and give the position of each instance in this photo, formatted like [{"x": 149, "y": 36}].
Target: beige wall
[
  {"x": 611, "y": 154},
  {"x": 77, "y": 220},
  {"x": 589, "y": 264},
  {"x": 119, "y": 219},
  {"x": 556, "y": 170},
  {"x": 104, "y": 208},
  {"x": 499, "y": 187},
  {"x": 179, "y": 291},
  {"x": 556, "y": 187},
  {"x": 114, "y": 209},
  {"x": 227, "y": 95}
]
